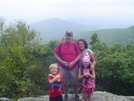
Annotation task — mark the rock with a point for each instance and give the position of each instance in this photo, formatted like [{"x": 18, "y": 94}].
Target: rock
[
  {"x": 97, "y": 96},
  {"x": 5, "y": 99},
  {"x": 104, "y": 96},
  {"x": 41, "y": 98}
]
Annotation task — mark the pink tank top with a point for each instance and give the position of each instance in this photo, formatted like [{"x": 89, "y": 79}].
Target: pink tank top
[{"x": 90, "y": 82}]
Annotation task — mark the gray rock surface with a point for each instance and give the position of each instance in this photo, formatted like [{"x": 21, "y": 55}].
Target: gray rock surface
[
  {"x": 5, "y": 99},
  {"x": 97, "y": 96},
  {"x": 105, "y": 96},
  {"x": 41, "y": 98}
]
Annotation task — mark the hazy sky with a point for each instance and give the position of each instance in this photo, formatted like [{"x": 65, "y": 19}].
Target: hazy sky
[{"x": 37, "y": 10}]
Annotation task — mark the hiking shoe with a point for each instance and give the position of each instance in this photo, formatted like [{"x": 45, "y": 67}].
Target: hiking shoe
[
  {"x": 65, "y": 98},
  {"x": 76, "y": 98}
]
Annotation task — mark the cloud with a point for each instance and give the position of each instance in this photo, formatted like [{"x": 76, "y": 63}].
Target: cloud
[{"x": 44, "y": 9}]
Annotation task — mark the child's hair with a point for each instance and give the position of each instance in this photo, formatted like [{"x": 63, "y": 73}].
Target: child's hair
[{"x": 53, "y": 65}]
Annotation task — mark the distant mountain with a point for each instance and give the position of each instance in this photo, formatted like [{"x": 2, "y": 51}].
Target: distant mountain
[
  {"x": 55, "y": 28},
  {"x": 111, "y": 36}
]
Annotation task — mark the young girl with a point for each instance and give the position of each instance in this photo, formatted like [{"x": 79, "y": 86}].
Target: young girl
[
  {"x": 87, "y": 76},
  {"x": 55, "y": 81}
]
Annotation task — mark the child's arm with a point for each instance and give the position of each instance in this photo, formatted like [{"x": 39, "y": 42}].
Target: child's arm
[
  {"x": 81, "y": 76},
  {"x": 58, "y": 80},
  {"x": 92, "y": 75},
  {"x": 51, "y": 75},
  {"x": 54, "y": 79}
]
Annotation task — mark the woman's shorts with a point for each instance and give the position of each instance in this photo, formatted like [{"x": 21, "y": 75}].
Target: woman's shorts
[{"x": 69, "y": 77}]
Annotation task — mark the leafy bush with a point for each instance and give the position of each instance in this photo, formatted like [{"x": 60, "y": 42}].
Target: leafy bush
[{"x": 114, "y": 69}]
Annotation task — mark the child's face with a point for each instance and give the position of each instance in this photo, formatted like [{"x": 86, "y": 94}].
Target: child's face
[
  {"x": 53, "y": 70},
  {"x": 86, "y": 64}
]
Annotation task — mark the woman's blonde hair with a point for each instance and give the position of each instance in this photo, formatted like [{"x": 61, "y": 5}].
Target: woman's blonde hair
[{"x": 53, "y": 65}]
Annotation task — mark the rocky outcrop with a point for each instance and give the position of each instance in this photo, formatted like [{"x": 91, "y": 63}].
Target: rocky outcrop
[
  {"x": 5, "y": 99},
  {"x": 97, "y": 96},
  {"x": 104, "y": 96},
  {"x": 41, "y": 98}
]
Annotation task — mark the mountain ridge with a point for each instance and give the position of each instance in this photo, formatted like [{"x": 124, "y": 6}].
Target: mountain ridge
[
  {"x": 122, "y": 36},
  {"x": 54, "y": 29}
]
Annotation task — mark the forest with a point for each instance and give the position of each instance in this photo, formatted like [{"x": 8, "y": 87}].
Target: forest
[
  {"x": 111, "y": 36},
  {"x": 24, "y": 62}
]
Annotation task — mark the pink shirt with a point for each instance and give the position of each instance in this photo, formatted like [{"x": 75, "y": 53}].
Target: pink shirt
[{"x": 90, "y": 82}]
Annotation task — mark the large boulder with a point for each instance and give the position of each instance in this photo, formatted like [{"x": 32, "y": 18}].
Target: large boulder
[
  {"x": 97, "y": 96},
  {"x": 105, "y": 96}
]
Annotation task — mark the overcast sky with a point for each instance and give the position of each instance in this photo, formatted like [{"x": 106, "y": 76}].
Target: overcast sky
[{"x": 37, "y": 10}]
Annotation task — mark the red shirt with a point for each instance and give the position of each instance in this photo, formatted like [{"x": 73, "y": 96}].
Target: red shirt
[
  {"x": 67, "y": 52},
  {"x": 55, "y": 91}
]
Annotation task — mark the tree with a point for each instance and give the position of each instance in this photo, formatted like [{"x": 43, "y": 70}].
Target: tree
[
  {"x": 94, "y": 39},
  {"x": 18, "y": 42},
  {"x": 114, "y": 68}
]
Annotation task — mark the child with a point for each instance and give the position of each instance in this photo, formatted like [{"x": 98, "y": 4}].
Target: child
[
  {"x": 87, "y": 76},
  {"x": 55, "y": 81}
]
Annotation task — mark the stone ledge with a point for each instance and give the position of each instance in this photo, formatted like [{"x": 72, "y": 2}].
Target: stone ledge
[
  {"x": 97, "y": 96},
  {"x": 5, "y": 99}
]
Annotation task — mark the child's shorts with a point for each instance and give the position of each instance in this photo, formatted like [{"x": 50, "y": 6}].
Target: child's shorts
[
  {"x": 57, "y": 98},
  {"x": 87, "y": 90}
]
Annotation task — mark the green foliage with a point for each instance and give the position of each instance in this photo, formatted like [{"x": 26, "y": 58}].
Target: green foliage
[
  {"x": 111, "y": 36},
  {"x": 94, "y": 39},
  {"x": 114, "y": 69},
  {"x": 26, "y": 88},
  {"x": 3, "y": 89},
  {"x": 21, "y": 55},
  {"x": 38, "y": 75}
]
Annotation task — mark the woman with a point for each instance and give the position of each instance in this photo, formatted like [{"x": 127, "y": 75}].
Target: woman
[{"x": 83, "y": 46}]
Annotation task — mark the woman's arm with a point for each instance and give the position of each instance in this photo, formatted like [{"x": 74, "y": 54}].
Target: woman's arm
[{"x": 93, "y": 61}]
